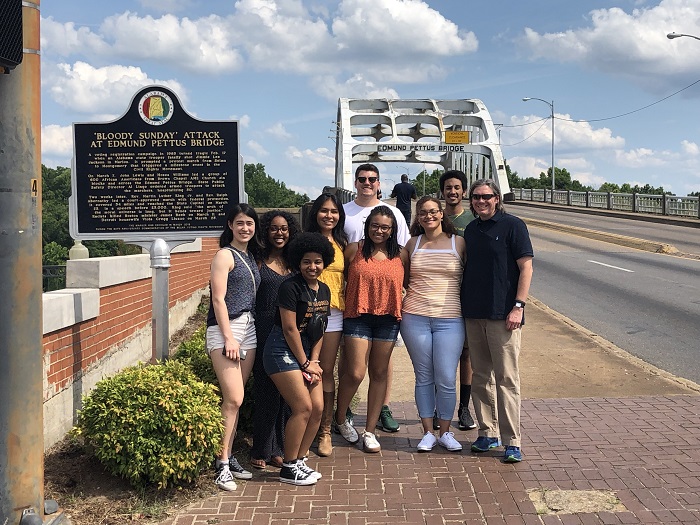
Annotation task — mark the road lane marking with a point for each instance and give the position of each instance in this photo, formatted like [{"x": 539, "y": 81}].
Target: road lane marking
[{"x": 611, "y": 266}]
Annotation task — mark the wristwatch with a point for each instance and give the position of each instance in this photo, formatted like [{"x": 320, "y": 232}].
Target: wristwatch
[{"x": 519, "y": 304}]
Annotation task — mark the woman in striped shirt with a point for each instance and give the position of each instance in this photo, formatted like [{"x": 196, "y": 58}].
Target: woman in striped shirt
[{"x": 432, "y": 326}]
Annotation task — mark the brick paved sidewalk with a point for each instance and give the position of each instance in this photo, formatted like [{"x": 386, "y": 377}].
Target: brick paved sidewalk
[{"x": 644, "y": 449}]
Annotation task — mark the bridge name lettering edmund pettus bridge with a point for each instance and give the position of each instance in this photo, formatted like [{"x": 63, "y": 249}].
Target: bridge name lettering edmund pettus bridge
[{"x": 440, "y": 147}]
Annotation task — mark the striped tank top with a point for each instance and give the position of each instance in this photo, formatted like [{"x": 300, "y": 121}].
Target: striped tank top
[{"x": 434, "y": 281}]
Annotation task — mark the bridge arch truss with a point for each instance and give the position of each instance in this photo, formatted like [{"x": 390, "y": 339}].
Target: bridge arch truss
[{"x": 455, "y": 134}]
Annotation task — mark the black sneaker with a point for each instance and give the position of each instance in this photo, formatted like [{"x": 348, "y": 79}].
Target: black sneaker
[
  {"x": 436, "y": 421},
  {"x": 238, "y": 472},
  {"x": 294, "y": 474},
  {"x": 465, "y": 418}
]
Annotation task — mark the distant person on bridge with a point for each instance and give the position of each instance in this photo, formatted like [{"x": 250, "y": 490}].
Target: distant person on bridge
[
  {"x": 356, "y": 212},
  {"x": 495, "y": 286},
  {"x": 403, "y": 192}
]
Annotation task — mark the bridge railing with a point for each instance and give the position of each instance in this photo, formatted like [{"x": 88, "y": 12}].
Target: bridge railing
[{"x": 632, "y": 202}]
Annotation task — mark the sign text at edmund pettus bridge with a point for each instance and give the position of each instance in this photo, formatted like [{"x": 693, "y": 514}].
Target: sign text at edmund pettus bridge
[{"x": 156, "y": 172}]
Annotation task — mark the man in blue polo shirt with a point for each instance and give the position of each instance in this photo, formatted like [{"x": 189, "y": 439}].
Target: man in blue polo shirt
[{"x": 495, "y": 286}]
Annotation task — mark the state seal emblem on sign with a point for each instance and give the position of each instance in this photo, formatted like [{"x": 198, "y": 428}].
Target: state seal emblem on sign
[{"x": 156, "y": 108}]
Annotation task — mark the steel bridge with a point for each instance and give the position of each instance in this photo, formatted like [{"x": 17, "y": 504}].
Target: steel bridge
[{"x": 453, "y": 134}]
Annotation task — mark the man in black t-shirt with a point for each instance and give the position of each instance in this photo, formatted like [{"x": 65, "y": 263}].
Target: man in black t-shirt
[{"x": 403, "y": 193}]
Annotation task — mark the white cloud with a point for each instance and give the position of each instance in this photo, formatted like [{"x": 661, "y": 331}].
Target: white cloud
[
  {"x": 57, "y": 140},
  {"x": 355, "y": 87},
  {"x": 278, "y": 131},
  {"x": 311, "y": 191},
  {"x": 638, "y": 158},
  {"x": 632, "y": 44},
  {"x": 257, "y": 148},
  {"x": 243, "y": 121},
  {"x": 568, "y": 135},
  {"x": 65, "y": 39},
  {"x": 87, "y": 89},
  {"x": 201, "y": 45},
  {"x": 321, "y": 161},
  {"x": 690, "y": 148},
  {"x": 407, "y": 39}
]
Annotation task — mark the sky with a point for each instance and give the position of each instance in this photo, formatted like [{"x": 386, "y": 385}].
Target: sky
[{"x": 279, "y": 67}]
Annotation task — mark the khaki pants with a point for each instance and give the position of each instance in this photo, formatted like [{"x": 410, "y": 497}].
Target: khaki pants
[{"x": 494, "y": 352}]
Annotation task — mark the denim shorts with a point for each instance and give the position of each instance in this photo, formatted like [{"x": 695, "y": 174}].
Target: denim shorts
[
  {"x": 278, "y": 357},
  {"x": 369, "y": 326}
]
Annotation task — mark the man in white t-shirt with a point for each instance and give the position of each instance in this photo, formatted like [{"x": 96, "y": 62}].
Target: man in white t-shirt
[{"x": 356, "y": 212}]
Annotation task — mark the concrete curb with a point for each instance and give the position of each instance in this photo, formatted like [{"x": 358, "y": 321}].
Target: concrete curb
[
  {"x": 622, "y": 240},
  {"x": 613, "y": 349}
]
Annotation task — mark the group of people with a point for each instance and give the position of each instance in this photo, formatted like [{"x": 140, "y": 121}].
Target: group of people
[{"x": 282, "y": 300}]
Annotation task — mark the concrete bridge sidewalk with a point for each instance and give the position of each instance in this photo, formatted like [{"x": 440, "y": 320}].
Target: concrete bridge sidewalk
[{"x": 607, "y": 439}]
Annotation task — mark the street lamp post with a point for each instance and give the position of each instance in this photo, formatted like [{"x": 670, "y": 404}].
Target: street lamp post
[
  {"x": 551, "y": 107},
  {"x": 673, "y": 35}
]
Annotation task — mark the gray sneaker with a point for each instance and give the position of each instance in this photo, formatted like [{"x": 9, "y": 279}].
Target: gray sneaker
[
  {"x": 465, "y": 418},
  {"x": 238, "y": 472}
]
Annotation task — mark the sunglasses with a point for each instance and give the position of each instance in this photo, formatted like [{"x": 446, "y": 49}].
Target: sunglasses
[
  {"x": 483, "y": 197},
  {"x": 371, "y": 180}
]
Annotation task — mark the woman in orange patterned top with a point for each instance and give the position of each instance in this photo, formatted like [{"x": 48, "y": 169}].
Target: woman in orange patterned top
[{"x": 375, "y": 274}]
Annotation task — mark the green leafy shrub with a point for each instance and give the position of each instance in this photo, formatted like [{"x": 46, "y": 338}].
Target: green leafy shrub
[
  {"x": 193, "y": 353},
  {"x": 153, "y": 424}
]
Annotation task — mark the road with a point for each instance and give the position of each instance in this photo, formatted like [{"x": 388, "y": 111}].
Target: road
[
  {"x": 687, "y": 240},
  {"x": 647, "y": 304}
]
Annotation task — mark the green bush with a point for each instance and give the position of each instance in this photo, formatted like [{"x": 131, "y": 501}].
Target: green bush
[
  {"x": 193, "y": 353},
  {"x": 153, "y": 424}
]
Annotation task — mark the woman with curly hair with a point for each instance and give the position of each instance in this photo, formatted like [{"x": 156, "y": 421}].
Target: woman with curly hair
[
  {"x": 291, "y": 355},
  {"x": 375, "y": 275},
  {"x": 270, "y": 412},
  {"x": 231, "y": 338},
  {"x": 327, "y": 217},
  {"x": 432, "y": 327}
]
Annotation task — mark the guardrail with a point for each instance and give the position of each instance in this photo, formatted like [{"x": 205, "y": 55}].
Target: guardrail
[
  {"x": 53, "y": 277},
  {"x": 633, "y": 202}
]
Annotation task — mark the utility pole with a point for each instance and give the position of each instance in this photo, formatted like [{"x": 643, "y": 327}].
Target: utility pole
[{"x": 21, "y": 325}]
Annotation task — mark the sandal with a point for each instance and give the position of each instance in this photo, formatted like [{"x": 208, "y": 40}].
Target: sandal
[
  {"x": 258, "y": 463},
  {"x": 276, "y": 461}
]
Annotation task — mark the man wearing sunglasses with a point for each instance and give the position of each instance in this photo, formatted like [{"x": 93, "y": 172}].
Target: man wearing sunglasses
[
  {"x": 495, "y": 286},
  {"x": 356, "y": 212}
]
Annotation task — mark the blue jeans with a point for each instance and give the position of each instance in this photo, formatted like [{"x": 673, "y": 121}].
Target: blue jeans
[{"x": 434, "y": 346}]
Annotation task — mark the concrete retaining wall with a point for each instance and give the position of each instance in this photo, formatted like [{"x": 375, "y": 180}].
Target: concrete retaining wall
[{"x": 101, "y": 323}]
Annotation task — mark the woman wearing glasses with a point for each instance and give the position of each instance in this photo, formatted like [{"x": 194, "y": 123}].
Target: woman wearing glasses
[
  {"x": 327, "y": 217},
  {"x": 375, "y": 274},
  {"x": 270, "y": 412},
  {"x": 432, "y": 327}
]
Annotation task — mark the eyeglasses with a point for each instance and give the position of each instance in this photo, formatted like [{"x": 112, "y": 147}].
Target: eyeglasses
[
  {"x": 275, "y": 229},
  {"x": 371, "y": 180},
  {"x": 483, "y": 196},
  {"x": 379, "y": 227},
  {"x": 433, "y": 213}
]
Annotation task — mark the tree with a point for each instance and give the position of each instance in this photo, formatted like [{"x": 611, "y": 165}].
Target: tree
[
  {"x": 432, "y": 182},
  {"x": 265, "y": 192}
]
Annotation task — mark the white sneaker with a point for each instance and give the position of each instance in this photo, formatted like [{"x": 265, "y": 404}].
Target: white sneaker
[
  {"x": 448, "y": 441},
  {"x": 348, "y": 432},
  {"x": 370, "y": 443},
  {"x": 427, "y": 443},
  {"x": 224, "y": 478}
]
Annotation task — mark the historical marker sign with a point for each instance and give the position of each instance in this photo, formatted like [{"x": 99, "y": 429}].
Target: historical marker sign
[{"x": 156, "y": 172}]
